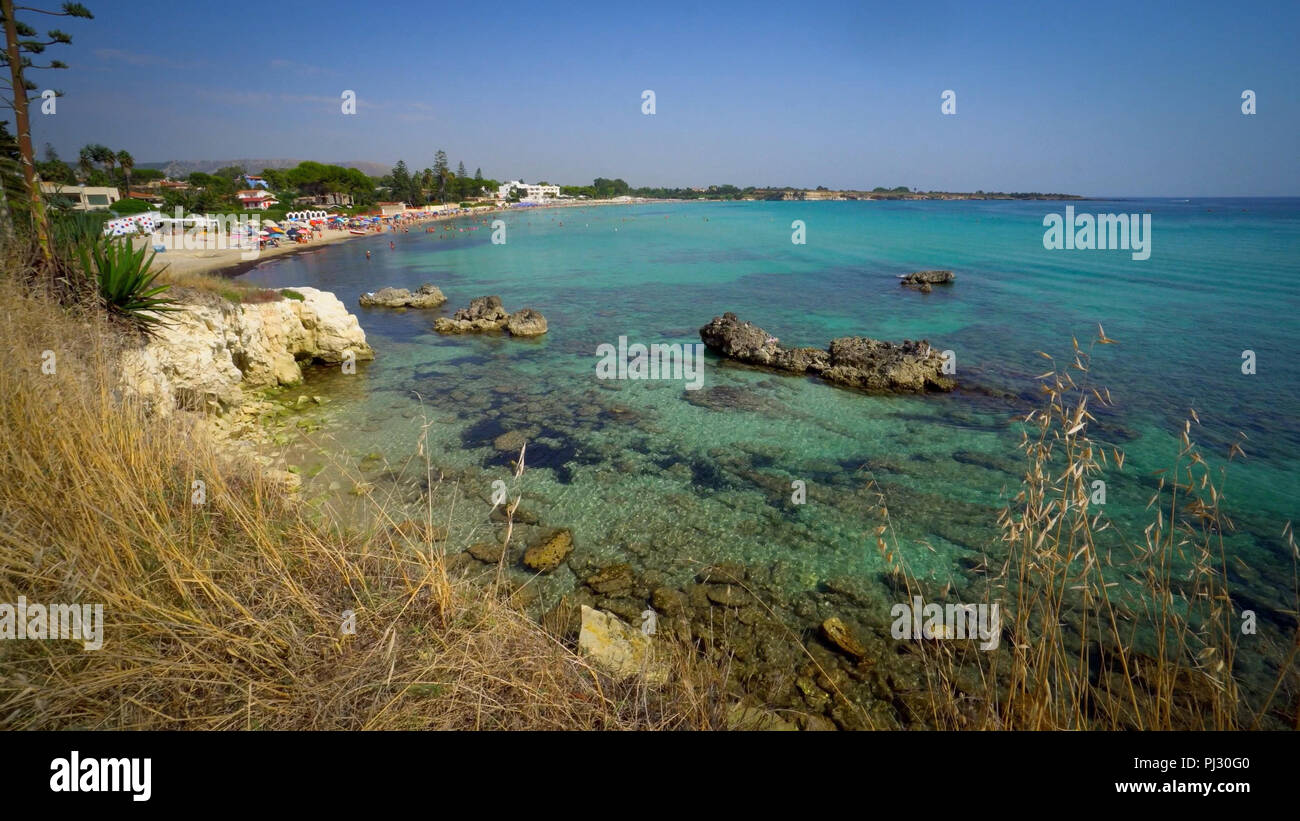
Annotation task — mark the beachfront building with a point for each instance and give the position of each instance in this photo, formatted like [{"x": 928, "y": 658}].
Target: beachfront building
[
  {"x": 529, "y": 193},
  {"x": 82, "y": 197},
  {"x": 255, "y": 199},
  {"x": 390, "y": 209},
  {"x": 329, "y": 199}
]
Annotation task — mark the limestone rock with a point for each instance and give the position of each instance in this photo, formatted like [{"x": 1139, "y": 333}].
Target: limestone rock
[
  {"x": 211, "y": 349},
  {"x": 526, "y": 322},
  {"x": 617, "y": 648},
  {"x": 489, "y": 552},
  {"x": 854, "y": 361},
  {"x": 838, "y": 634},
  {"x": 550, "y": 551},
  {"x": 741, "y": 717},
  {"x": 428, "y": 296},
  {"x": 486, "y": 314},
  {"x": 922, "y": 280}
]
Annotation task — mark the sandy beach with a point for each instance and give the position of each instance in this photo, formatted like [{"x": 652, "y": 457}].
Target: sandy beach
[{"x": 233, "y": 262}]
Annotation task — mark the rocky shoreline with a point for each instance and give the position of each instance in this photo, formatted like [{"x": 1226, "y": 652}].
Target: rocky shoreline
[
  {"x": 820, "y": 659},
  {"x": 223, "y": 362}
]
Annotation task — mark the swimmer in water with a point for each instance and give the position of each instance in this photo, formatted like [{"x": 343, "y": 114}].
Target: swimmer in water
[{"x": 367, "y": 255}]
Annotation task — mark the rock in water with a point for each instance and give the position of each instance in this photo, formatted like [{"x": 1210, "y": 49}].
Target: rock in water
[
  {"x": 428, "y": 296},
  {"x": 487, "y": 308},
  {"x": 838, "y": 634},
  {"x": 617, "y": 648},
  {"x": 487, "y": 314},
  {"x": 510, "y": 441},
  {"x": 526, "y": 322},
  {"x": 922, "y": 280},
  {"x": 870, "y": 364},
  {"x": 854, "y": 361},
  {"x": 550, "y": 552},
  {"x": 490, "y": 552}
]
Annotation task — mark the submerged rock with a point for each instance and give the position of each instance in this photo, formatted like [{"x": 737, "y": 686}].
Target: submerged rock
[
  {"x": 855, "y": 361},
  {"x": 837, "y": 633},
  {"x": 550, "y": 552},
  {"x": 489, "y": 552},
  {"x": 510, "y": 441},
  {"x": 428, "y": 296},
  {"x": 922, "y": 280}
]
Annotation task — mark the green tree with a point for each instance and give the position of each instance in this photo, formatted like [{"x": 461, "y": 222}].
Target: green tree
[
  {"x": 53, "y": 169},
  {"x": 86, "y": 160},
  {"x": 441, "y": 174},
  {"x": 127, "y": 162},
  {"x": 402, "y": 184},
  {"x": 16, "y": 57},
  {"x": 108, "y": 158}
]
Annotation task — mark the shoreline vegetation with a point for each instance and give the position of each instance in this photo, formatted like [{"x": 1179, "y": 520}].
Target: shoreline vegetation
[{"x": 230, "y": 611}]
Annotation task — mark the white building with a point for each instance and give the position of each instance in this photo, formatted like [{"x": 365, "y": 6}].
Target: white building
[
  {"x": 82, "y": 197},
  {"x": 531, "y": 193},
  {"x": 255, "y": 199}
]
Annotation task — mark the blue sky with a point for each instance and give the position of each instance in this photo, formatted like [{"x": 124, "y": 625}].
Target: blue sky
[{"x": 1102, "y": 98}]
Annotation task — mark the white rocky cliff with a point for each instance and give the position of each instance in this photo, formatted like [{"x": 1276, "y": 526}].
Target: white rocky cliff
[{"x": 213, "y": 349}]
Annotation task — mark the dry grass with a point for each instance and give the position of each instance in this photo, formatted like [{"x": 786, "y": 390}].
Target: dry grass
[
  {"x": 232, "y": 290},
  {"x": 229, "y": 614},
  {"x": 1105, "y": 629}
]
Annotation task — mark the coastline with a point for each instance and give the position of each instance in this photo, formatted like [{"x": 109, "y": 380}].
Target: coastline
[{"x": 228, "y": 262}]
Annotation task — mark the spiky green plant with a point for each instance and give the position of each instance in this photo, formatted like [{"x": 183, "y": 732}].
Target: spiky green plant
[{"x": 126, "y": 282}]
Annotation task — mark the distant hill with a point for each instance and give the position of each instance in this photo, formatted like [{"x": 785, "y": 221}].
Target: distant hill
[{"x": 181, "y": 168}]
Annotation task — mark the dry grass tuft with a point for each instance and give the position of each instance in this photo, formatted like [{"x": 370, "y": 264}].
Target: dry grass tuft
[{"x": 229, "y": 614}]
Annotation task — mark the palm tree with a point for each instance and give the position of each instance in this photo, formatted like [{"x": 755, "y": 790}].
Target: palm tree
[
  {"x": 109, "y": 159},
  {"x": 86, "y": 161},
  {"x": 127, "y": 162}
]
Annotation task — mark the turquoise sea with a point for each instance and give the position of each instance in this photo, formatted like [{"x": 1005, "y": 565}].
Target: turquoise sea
[{"x": 648, "y": 473}]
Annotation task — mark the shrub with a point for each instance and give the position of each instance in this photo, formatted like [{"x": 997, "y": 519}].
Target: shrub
[
  {"x": 131, "y": 206},
  {"x": 126, "y": 283}
]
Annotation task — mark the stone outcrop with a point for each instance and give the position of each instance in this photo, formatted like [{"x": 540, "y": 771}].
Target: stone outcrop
[
  {"x": 526, "y": 322},
  {"x": 486, "y": 313},
  {"x": 853, "y": 361},
  {"x": 922, "y": 280},
  {"x": 617, "y": 648},
  {"x": 428, "y": 296},
  {"x": 213, "y": 349}
]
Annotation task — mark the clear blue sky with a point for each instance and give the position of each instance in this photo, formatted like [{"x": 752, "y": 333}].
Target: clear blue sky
[{"x": 1097, "y": 98}]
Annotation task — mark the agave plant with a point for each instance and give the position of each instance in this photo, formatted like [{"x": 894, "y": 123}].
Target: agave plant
[{"x": 126, "y": 283}]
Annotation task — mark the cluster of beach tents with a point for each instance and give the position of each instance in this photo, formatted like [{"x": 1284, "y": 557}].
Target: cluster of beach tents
[{"x": 267, "y": 232}]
